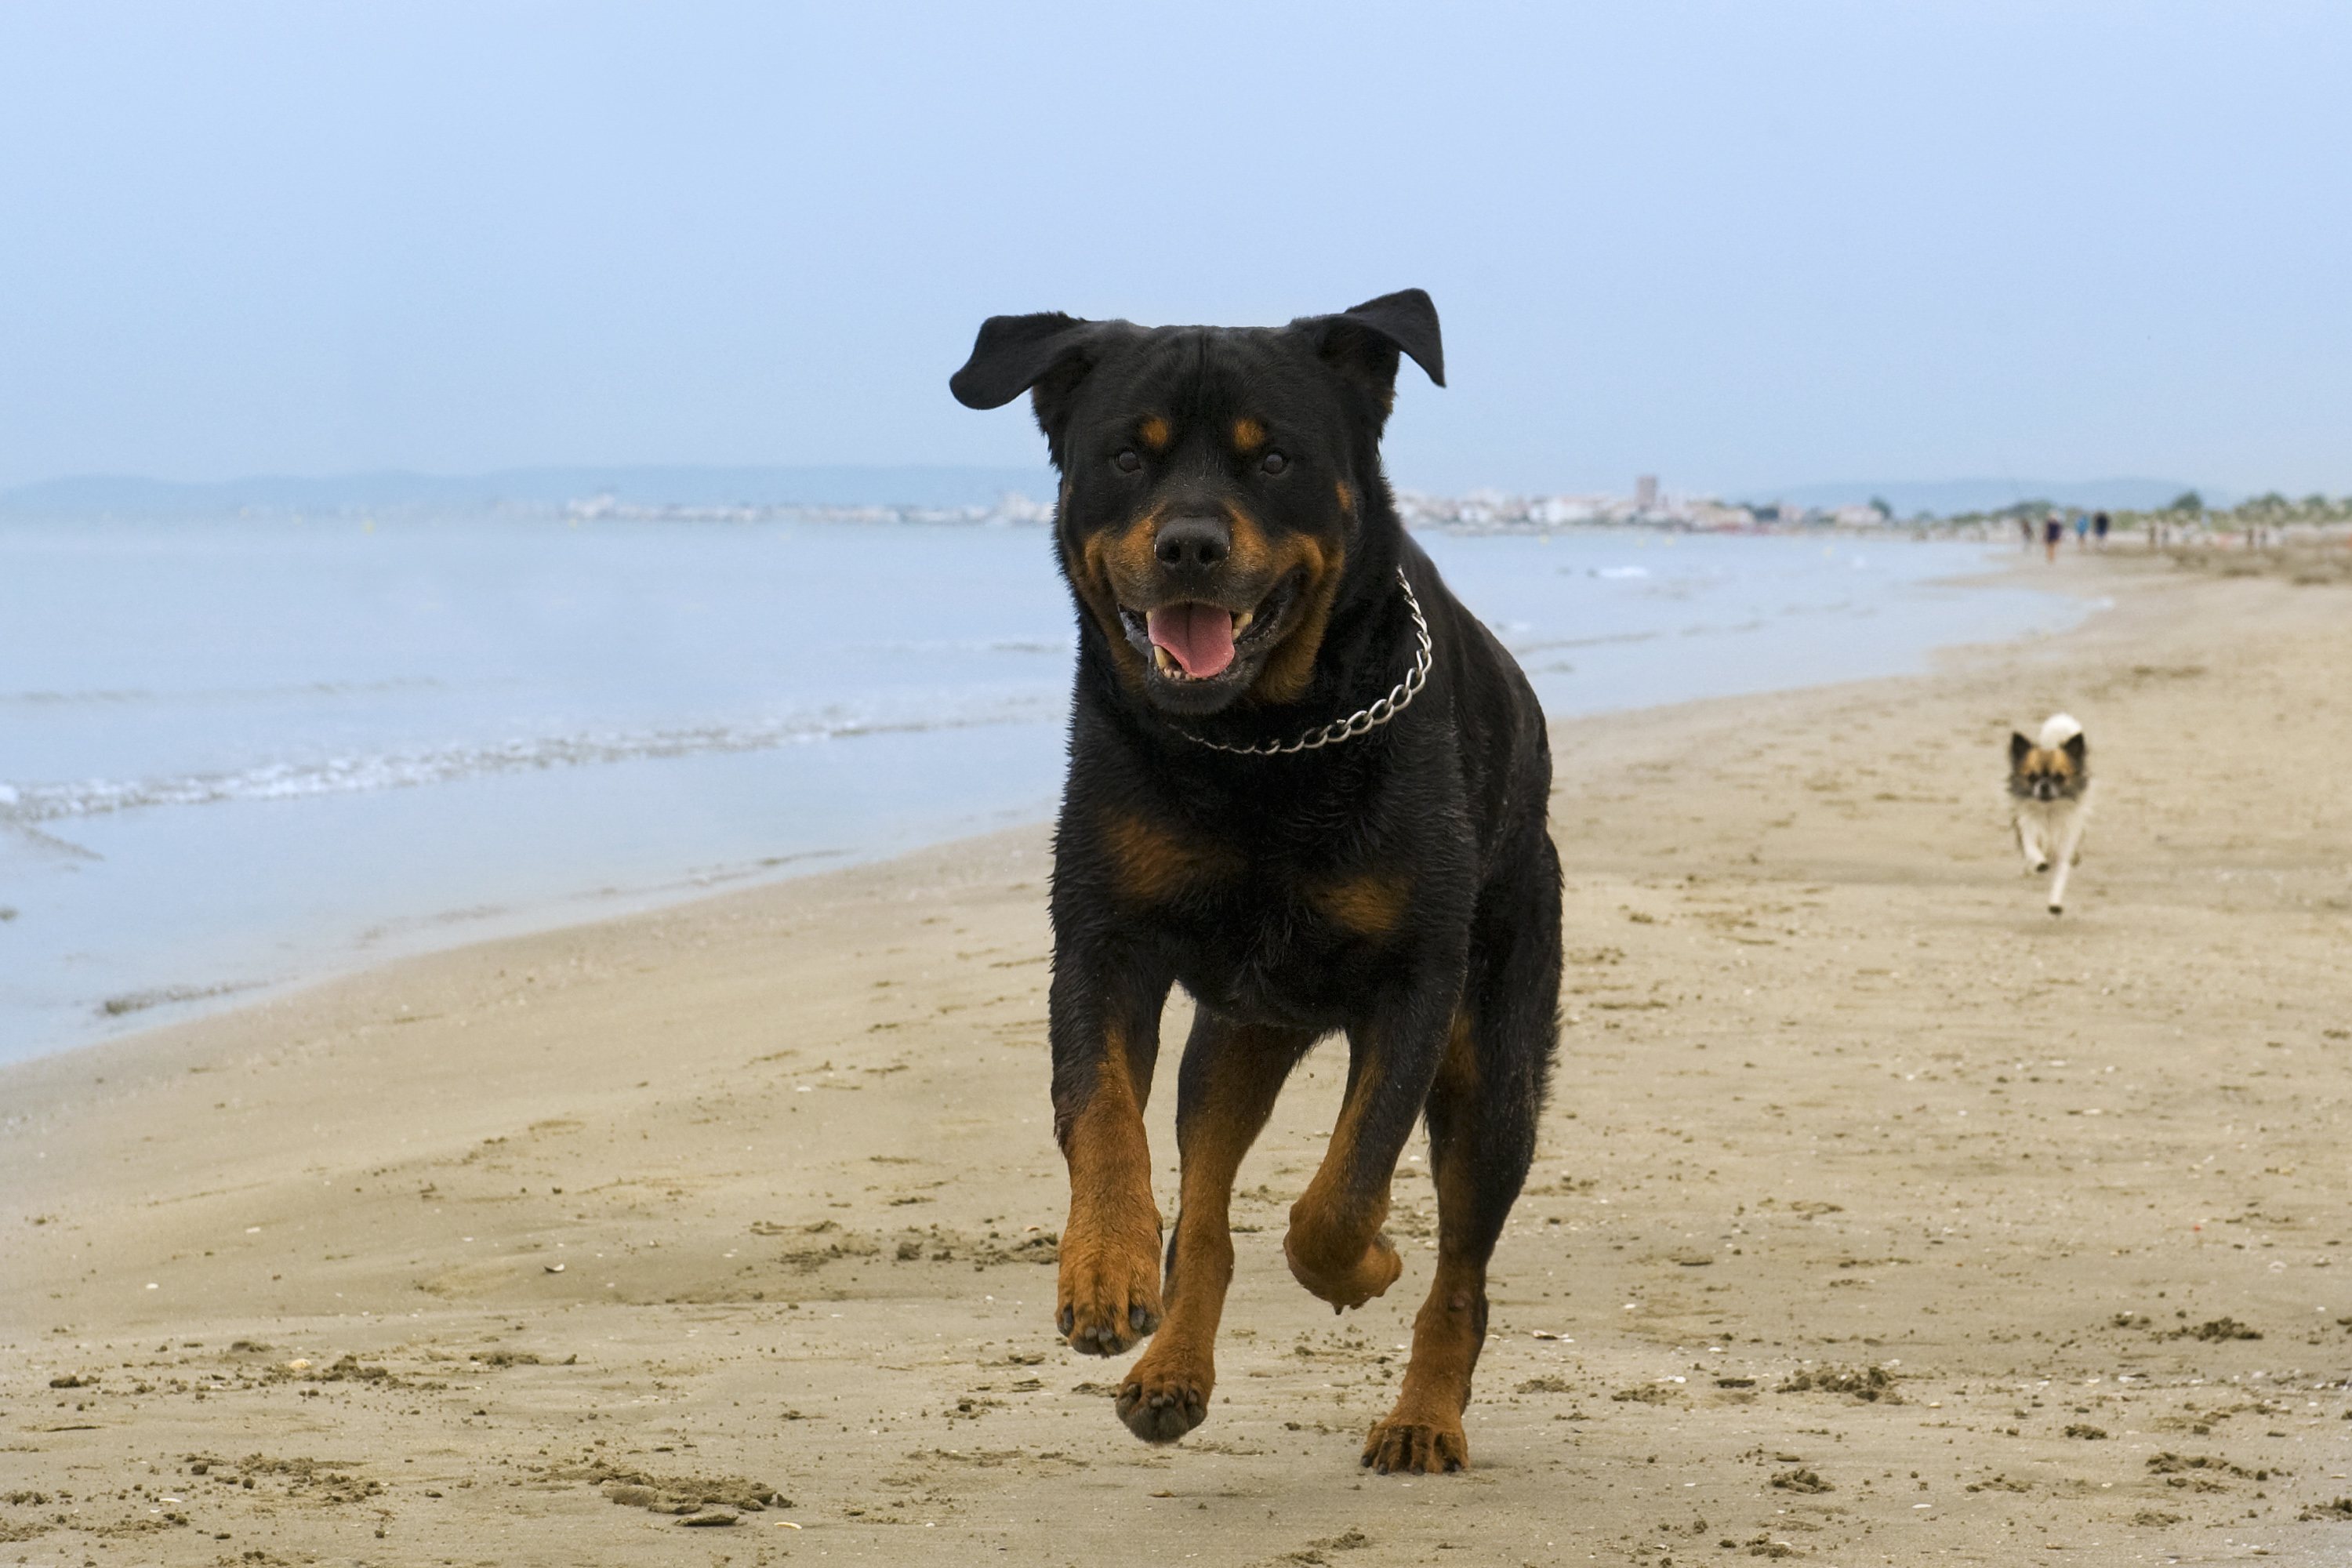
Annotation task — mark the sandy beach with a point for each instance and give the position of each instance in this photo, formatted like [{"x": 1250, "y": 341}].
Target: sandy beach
[{"x": 1879, "y": 1217}]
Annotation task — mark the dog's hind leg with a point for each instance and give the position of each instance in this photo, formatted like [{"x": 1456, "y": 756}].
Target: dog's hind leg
[
  {"x": 1335, "y": 1245},
  {"x": 1225, "y": 1093},
  {"x": 1482, "y": 1111}
]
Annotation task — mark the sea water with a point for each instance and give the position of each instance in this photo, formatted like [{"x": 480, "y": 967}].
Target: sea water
[{"x": 241, "y": 753}]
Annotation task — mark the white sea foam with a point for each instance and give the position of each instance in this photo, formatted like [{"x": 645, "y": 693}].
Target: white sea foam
[
  {"x": 141, "y": 696},
  {"x": 24, "y": 804}
]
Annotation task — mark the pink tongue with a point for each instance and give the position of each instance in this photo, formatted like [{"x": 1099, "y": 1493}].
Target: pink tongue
[{"x": 1200, "y": 635}]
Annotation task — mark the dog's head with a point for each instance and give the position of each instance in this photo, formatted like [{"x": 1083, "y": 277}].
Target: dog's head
[
  {"x": 1215, "y": 479},
  {"x": 2047, "y": 773}
]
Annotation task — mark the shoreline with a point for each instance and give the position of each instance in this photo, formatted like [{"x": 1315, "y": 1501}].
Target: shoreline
[
  {"x": 504, "y": 849},
  {"x": 759, "y": 1186}
]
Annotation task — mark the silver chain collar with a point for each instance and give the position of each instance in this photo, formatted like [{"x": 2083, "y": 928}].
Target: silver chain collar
[{"x": 1364, "y": 720}]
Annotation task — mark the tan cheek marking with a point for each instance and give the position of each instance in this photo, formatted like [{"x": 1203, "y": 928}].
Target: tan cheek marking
[
  {"x": 1370, "y": 905},
  {"x": 1103, "y": 559},
  {"x": 1122, "y": 562},
  {"x": 1253, "y": 556},
  {"x": 1154, "y": 865},
  {"x": 1248, "y": 434},
  {"x": 1347, "y": 497},
  {"x": 1157, "y": 433},
  {"x": 1292, "y": 666}
]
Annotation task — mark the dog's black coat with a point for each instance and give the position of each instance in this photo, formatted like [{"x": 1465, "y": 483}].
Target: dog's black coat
[{"x": 1399, "y": 885}]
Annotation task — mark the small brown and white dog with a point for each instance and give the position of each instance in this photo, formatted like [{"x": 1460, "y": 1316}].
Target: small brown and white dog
[{"x": 2050, "y": 799}]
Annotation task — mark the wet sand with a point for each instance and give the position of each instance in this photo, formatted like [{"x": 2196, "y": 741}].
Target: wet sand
[{"x": 1879, "y": 1217}]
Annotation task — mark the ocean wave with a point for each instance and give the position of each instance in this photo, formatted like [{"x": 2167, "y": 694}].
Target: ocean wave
[
  {"x": 24, "y": 804},
  {"x": 1548, "y": 644},
  {"x": 1058, "y": 646},
  {"x": 134, "y": 695}
]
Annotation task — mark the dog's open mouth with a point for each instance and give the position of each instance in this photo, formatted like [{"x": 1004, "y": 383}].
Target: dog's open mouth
[{"x": 1193, "y": 641}]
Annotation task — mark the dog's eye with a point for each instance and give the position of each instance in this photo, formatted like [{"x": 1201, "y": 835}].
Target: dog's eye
[
  {"x": 1129, "y": 460},
  {"x": 1274, "y": 462}
]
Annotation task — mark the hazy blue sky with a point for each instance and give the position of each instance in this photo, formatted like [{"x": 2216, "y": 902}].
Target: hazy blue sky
[{"x": 1739, "y": 245}]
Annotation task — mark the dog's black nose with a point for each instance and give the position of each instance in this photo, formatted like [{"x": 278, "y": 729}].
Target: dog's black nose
[{"x": 1195, "y": 544}]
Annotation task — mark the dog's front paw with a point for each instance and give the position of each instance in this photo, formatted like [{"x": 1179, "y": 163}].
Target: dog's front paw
[
  {"x": 1414, "y": 1447},
  {"x": 1348, "y": 1283},
  {"x": 1161, "y": 1403},
  {"x": 1108, "y": 1296}
]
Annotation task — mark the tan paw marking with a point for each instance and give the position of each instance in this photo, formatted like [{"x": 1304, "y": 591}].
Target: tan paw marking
[
  {"x": 1351, "y": 1284},
  {"x": 1404, "y": 1447},
  {"x": 1161, "y": 1403},
  {"x": 1108, "y": 1297}
]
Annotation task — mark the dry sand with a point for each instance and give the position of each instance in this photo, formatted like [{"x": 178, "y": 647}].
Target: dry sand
[{"x": 1880, "y": 1218}]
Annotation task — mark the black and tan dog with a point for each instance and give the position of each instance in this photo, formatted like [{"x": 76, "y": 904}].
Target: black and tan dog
[{"x": 1308, "y": 786}]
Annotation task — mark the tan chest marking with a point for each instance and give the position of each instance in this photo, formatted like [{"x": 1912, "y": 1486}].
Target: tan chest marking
[
  {"x": 1154, "y": 864},
  {"x": 1373, "y": 904}
]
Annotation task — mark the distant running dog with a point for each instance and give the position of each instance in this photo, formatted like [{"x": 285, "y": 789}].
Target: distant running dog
[
  {"x": 2050, "y": 799},
  {"x": 1306, "y": 785}
]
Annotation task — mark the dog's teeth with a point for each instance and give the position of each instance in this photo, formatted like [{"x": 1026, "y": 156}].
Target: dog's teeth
[
  {"x": 1163, "y": 660},
  {"x": 1241, "y": 621}
]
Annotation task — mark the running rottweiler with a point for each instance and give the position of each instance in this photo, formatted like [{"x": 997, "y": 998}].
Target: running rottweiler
[{"x": 1310, "y": 787}]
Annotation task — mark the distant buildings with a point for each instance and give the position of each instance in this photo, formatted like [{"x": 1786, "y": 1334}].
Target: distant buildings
[
  {"x": 1010, "y": 509},
  {"x": 1491, "y": 511},
  {"x": 1479, "y": 511}
]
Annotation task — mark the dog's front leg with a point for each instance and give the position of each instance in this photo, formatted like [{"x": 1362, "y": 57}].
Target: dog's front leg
[
  {"x": 1335, "y": 1245},
  {"x": 2029, "y": 842},
  {"x": 1105, "y": 1026},
  {"x": 1225, "y": 1091},
  {"x": 2070, "y": 850}
]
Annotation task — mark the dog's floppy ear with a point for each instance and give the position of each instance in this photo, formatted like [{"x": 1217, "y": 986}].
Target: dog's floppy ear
[
  {"x": 1011, "y": 353},
  {"x": 2076, "y": 748},
  {"x": 1045, "y": 354},
  {"x": 1364, "y": 342},
  {"x": 2018, "y": 747}
]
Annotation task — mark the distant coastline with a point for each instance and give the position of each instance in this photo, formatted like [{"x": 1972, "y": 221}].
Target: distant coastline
[
  {"x": 2161, "y": 510},
  {"x": 647, "y": 489}
]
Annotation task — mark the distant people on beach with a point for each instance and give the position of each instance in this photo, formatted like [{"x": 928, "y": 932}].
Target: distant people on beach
[
  {"x": 2081, "y": 530},
  {"x": 2052, "y": 530},
  {"x": 2025, "y": 531},
  {"x": 2099, "y": 526}
]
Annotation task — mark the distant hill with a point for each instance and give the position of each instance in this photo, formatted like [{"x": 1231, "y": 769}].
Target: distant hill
[
  {"x": 645, "y": 486},
  {"x": 1945, "y": 496}
]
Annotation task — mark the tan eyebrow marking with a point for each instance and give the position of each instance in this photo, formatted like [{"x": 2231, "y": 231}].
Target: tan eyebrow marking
[{"x": 1248, "y": 434}]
